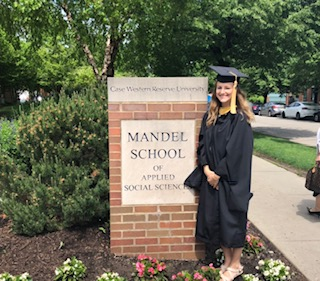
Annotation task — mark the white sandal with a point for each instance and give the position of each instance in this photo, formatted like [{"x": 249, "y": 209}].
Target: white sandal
[
  {"x": 233, "y": 272},
  {"x": 223, "y": 268}
]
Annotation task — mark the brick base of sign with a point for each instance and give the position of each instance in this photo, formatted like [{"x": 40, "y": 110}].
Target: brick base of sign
[{"x": 161, "y": 231}]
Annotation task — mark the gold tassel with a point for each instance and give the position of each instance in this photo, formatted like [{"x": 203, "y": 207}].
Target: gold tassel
[{"x": 233, "y": 104}]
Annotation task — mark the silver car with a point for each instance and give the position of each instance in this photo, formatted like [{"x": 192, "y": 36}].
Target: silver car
[{"x": 272, "y": 109}]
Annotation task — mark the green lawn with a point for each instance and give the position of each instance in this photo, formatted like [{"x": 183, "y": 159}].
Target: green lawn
[{"x": 296, "y": 155}]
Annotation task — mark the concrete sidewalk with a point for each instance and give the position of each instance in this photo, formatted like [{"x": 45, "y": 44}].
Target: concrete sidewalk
[{"x": 279, "y": 210}]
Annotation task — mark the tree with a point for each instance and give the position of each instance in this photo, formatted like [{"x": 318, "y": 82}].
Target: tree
[
  {"x": 7, "y": 60},
  {"x": 247, "y": 35},
  {"x": 267, "y": 39},
  {"x": 98, "y": 27},
  {"x": 303, "y": 44},
  {"x": 163, "y": 42},
  {"x": 58, "y": 67},
  {"x": 194, "y": 34},
  {"x": 17, "y": 70}
]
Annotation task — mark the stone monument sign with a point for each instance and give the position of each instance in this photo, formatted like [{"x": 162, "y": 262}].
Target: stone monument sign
[{"x": 153, "y": 132}]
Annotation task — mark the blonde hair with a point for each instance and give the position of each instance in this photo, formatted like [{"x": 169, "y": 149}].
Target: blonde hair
[{"x": 243, "y": 107}]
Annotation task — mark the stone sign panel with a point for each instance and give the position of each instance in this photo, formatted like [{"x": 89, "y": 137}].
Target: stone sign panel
[
  {"x": 154, "y": 89},
  {"x": 157, "y": 155}
]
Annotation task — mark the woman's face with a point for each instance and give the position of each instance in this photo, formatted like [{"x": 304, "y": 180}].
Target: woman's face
[{"x": 224, "y": 92}]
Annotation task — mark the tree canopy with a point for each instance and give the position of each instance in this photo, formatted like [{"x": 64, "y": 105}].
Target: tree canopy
[{"x": 276, "y": 42}]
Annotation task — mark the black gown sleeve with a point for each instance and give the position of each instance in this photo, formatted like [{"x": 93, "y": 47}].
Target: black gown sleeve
[{"x": 201, "y": 154}]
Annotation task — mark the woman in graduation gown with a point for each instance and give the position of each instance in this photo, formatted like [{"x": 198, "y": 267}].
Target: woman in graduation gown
[{"x": 225, "y": 154}]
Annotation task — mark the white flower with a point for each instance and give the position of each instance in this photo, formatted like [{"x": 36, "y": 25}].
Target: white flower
[
  {"x": 274, "y": 270},
  {"x": 24, "y": 276},
  {"x": 67, "y": 261},
  {"x": 250, "y": 277},
  {"x": 110, "y": 276},
  {"x": 66, "y": 268}
]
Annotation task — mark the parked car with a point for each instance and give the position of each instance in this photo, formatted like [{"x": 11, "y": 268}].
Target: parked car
[
  {"x": 272, "y": 109},
  {"x": 300, "y": 110},
  {"x": 316, "y": 116},
  {"x": 256, "y": 107}
]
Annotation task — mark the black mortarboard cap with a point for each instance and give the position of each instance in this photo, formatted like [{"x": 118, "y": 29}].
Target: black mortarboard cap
[{"x": 227, "y": 74}]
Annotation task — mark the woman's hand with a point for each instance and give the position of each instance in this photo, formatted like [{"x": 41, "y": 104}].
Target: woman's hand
[{"x": 212, "y": 177}]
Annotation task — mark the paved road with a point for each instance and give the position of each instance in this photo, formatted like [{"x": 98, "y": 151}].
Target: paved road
[{"x": 300, "y": 131}]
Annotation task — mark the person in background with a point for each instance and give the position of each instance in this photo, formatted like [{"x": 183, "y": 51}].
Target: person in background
[
  {"x": 316, "y": 209},
  {"x": 291, "y": 98},
  {"x": 225, "y": 154}
]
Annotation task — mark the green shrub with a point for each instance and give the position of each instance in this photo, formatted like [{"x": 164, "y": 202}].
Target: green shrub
[
  {"x": 7, "y": 142},
  {"x": 7, "y": 135},
  {"x": 60, "y": 177}
]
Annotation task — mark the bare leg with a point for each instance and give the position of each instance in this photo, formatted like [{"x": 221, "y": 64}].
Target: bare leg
[
  {"x": 236, "y": 256},
  {"x": 232, "y": 260},
  {"x": 316, "y": 207},
  {"x": 317, "y": 204},
  {"x": 227, "y": 252}
]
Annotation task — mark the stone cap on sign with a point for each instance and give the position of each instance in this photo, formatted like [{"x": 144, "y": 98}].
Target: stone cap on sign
[{"x": 131, "y": 89}]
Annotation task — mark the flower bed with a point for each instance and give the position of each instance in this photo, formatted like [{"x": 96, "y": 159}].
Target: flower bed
[{"x": 40, "y": 255}]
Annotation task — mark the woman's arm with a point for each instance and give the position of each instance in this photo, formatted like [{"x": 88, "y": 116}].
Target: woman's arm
[{"x": 212, "y": 177}]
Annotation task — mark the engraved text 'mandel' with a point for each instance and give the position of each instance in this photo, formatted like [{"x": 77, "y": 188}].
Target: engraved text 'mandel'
[{"x": 157, "y": 137}]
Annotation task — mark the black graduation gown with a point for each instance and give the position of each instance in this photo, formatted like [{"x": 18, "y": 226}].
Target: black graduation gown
[{"x": 227, "y": 148}]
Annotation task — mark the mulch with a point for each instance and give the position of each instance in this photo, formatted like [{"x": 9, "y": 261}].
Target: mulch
[{"x": 41, "y": 254}]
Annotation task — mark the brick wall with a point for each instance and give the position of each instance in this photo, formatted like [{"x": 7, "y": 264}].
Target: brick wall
[{"x": 161, "y": 231}]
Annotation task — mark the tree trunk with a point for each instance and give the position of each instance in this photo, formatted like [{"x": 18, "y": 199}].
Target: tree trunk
[
  {"x": 111, "y": 50},
  {"x": 91, "y": 61}
]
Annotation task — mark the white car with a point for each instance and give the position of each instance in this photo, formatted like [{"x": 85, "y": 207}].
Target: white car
[{"x": 300, "y": 110}]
